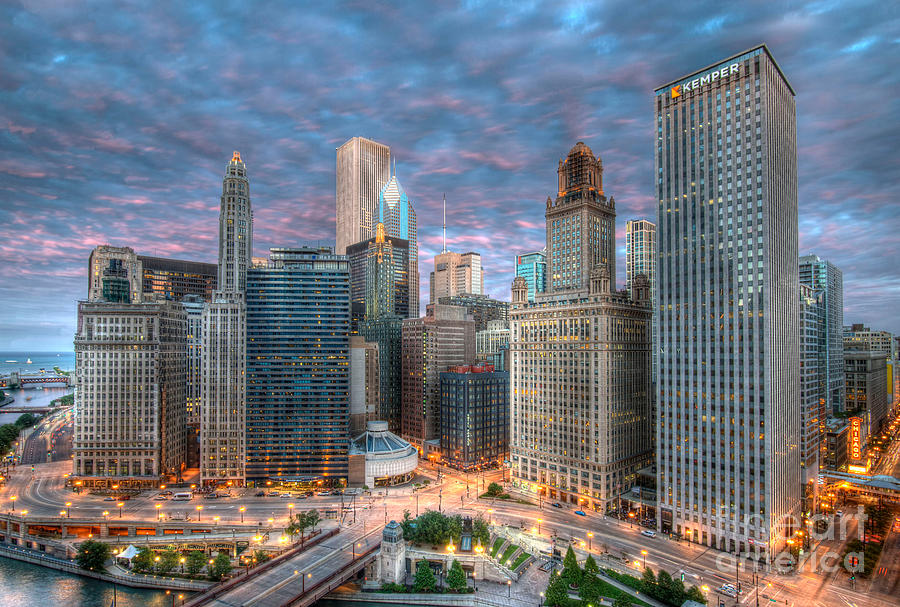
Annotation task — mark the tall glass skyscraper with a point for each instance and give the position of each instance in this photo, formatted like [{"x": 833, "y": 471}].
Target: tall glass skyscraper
[
  {"x": 533, "y": 268},
  {"x": 363, "y": 167},
  {"x": 396, "y": 212},
  {"x": 823, "y": 276},
  {"x": 728, "y": 445},
  {"x": 298, "y": 373}
]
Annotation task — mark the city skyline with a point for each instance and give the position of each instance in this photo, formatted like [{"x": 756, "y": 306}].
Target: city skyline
[{"x": 119, "y": 139}]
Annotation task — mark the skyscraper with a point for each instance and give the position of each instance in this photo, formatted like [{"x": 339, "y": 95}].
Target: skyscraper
[
  {"x": 580, "y": 222},
  {"x": 813, "y": 393},
  {"x": 223, "y": 451},
  {"x": 640, "y": 252},
  {"x": 114, "y": 275},
  {"x": 396, "y": 212},
  {"x": 580, "y": 356},
  {"x": 533, "y": 268},
  {"x": 456, "y": 273},
  {"x": 826, "y": 278},
  {"x": 396, "y": 251},
  {"x": 298, "y": 367},
  {"x": 482, "y": 308},
  {"x": 474, "y": 416},
  {"x": 363, "y": 169},
  {"x": 444, "y": 337},
  {"x": 728, "y": 445},
  {"x": 176, "y": 278},
  {"x": 130, "y": 365}
]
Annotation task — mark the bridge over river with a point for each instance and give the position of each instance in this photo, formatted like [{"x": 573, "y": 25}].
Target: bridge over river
[{"x": 298, "y": 578}]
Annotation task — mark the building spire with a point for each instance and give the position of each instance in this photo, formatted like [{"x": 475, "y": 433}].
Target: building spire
[{"x": 444, "y": 248}]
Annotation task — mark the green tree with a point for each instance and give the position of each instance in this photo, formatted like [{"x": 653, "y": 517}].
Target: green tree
[
  {"x": 694, "y": 594},
  {"x": 424, "y": 580},
  {"x": 456, "y": 577},
  {"x": 480, "y": 531},
  {"x": 92, "y": 555},
  {"x": 494, "y": 489},
  {"x": 26, "y": 420},
  {"x": 220, "y": 568},
  {"x": 589, "y": 590},
  {"x": 649, "y": 582},
  {"x": 666, "y": 590},
  {"x": 571, "y": 571},
  {"x": 196, "y": 560},
  {"x": 167, "y": 560},
  {"x": 557, "y": 594},
  {"x": 312, "y": 519},
  {"x": 143, "y": 560},
  {"x": 590, "y": 566},
  {"x": 622, "y": 601},
  {"x": 260, "y": 557}
]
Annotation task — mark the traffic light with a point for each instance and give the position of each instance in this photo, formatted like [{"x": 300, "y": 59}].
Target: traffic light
[{"x": 682, "y": 576}]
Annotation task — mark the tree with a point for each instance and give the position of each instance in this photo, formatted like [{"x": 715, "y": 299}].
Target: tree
[
  {"x": 694, "y": 594},
  {"x": 494, "y": 489},
  {"x": 665, "y": 587},
  {"x": 456, "y": 577},
  {"x": 195, "y": 562},
  {"x": 424, "y": 580},
  {"x": 622, "y": 601},
  {"x": 143, "y": 560},
  {"x": 590, "y": 566},
  {"x": 92, "y": 555},
  {"x": 26, "y": 420},
  {"x": 260, "y": 557},
  {"x": 312, "y": 518},
  {"x": 589, "y": 590},
  {"x": 220, "y": 567},
  {"x": 557, "y": 594},
  {"x": 571, "y": 571},
  {"x": 649, "y": 582},
  {"x": 480, "y": 531},
  {"x": 167, "y": 561}
]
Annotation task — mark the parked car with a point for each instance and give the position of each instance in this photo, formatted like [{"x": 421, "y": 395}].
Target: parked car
[
  {"x": 286, "y": 496},
  {"x": 324, "y": 493},
  {"x": 648, "y": 533},
  {"x": 109, "y": 498},
  {"x": 166, "y": 492},
  {"x": 210, "y": 496},
  {"x": 260, "y": 494},
  {"x": 273, "y": 494},
  {"x": 122, "y": 497},
  {"x": 580, "y": 513},
  {"x": 556, "y": 505}
]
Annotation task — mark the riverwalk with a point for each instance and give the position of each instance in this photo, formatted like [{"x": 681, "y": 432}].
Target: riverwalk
[{"x": 114, "y": 574}]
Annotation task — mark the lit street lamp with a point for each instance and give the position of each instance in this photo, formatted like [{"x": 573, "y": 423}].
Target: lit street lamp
[
  {"x": 68, "y": 506},
  {"x": 508, "y": 588},
  {"x": 199, "y": 508},
  {"x": 14, "y": 498},
  {"x": 590, "y": 537},
  {"x": 644, "y": 554},
  {"x": 241, "y": 510},
  {"x": 158, "y": 512},
  {"x": 120, "y": 504}
]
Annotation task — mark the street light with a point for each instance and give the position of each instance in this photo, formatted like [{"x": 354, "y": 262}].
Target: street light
[
  {"x": 158, "y": 512},
  {"x": 14, "y": 498},
  {"x": 644, "y": 554},
  {"x": 630, "y": 519},
  {"x": 241, "y": 510},
  {"x": 590, "y": 537},
  {"x": 216, "y": 520},
  {"x": 68, "y": 506},
  {"x": 120, "y": 504},
  {"x": 508, "y": 588},
  {"x": 539, "y": 525},
  {"x": 199, "y": 508},
  {"x": 491, "y": 516},
  {"x": 181, "y": 560}
]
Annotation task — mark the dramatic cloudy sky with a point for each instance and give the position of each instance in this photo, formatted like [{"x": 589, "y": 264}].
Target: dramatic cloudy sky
[{"x": 116, "y": 122}]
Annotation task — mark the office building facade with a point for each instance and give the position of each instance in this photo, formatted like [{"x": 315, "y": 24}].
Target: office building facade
[
  {"x": 455, "y": 274},
  {"x": 395, "y": 210},
  {"x": 365, "y": 388},
  {"x": 298, "y": 367},
  {"x": 865, "y": 373},
  {"x": 363, "y": 169},
  {"x": 828, "y": 281},
  {"x": 444, "y": 337},
  {"x": 223, "y": 448},
  {"x": 581, "y": 223},
  {"x": 482, "y": 308},
  {"x": 533, "y": 268},
  {"x": 580, "y": 356},
  {"x": 474, "y": 417},
  {"x": 174, "y": 279},
  {"x": 860, "y": 337},
  {"x": 130, "y": 367},
  {"x": 813, "y": 378},
  {"x": 360, "y": 256},
  {"x": 114, "y": 275},
  {"x": 640, "y": 252},
  {"x": 728, "y": 444}
]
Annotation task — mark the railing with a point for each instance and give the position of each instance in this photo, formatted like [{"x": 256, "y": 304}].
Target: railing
[
  {"x": 324, "y": 586},
  {"x": 225, "y": 586}
]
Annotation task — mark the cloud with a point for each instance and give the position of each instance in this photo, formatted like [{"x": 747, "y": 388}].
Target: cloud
[{"x": 117, "y": 129}]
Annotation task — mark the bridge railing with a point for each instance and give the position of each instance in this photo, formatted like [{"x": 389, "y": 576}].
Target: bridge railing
[{"x": 324, "y": 586}]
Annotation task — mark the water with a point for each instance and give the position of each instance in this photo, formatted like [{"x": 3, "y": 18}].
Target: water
[
  {"x": 39, "y": 360},
  {"x": 27, "y": 585}
]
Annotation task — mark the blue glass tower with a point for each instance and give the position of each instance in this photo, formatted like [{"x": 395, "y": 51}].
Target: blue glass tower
[
  {"x": 396, "y": 212},
  {"x": 533, "y": 267},
  {"x": 298, "y": 374}
]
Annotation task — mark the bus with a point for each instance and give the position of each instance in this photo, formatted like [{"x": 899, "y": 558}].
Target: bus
[{"x": 182, "y": 497}]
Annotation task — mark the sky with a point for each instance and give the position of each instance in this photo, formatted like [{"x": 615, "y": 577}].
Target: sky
[{"x": 117, "y": 121}]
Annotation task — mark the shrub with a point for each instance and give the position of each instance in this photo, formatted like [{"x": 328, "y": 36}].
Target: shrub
[{"x": 92, "y": 555}]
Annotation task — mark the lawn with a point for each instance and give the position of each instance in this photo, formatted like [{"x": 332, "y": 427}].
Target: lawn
[{"x": 497, "y": 543}]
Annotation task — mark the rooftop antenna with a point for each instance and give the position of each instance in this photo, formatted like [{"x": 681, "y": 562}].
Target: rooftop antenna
[{"x": 444, "y": 249}]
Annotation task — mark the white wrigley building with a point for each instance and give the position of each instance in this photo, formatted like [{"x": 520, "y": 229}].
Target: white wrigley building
[{"x": 580, "y": 355}]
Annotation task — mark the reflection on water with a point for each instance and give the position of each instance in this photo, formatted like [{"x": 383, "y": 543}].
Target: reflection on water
[{"x": 31, "y": 397}]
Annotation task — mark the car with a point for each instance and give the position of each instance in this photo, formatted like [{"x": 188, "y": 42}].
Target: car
[
  {"x": 580, "y": 513},
  {"x": 322, "y": 493},
  {"x": 648, "y": 533},
  {"x": 309, "y": 494},
  {"x": 273, "y": 494},
  {"x": 109, "y": 499},
  {"x": 122, "y": 497},
  {"x": 210, "y": 496},
  {"x": 160, "y": 497},
  {"x": 728, "y": 590},
  {"x": 166, "y": 492},
  {"x": 286, "y": 496},
  {"x": 556, "y": 505},
  {"x": 260, "y": 494},
  {"x": 839, "y": 513}
]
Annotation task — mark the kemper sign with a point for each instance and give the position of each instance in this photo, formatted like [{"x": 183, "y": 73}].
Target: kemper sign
[{"x": 706, "y": 79}]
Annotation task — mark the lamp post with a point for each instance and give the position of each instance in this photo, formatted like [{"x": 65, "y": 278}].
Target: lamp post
[
  {"x": 14, "y": 498},
  {"x": 68, "y": 507},
  {"x": 158, "y": 512},
  {"x": 508, "y": 588},
  {"x": 216, "y": 520},
  {"x": 417, "y": 505},
  {"x": 644, "y": 554},
  {"x": 490, "y": 516},
  {"x": 120, "y": 504},
  {"x": 181, "y": 560},
  {"x": 539, "y": 525},
  {"x": 590, "y": 537},
  {"x": 241, "y": 510},
  {"x": 630, "y": 519},
  {"x": 199, "y": 513},
  {"x": 479, "y": 549}
]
